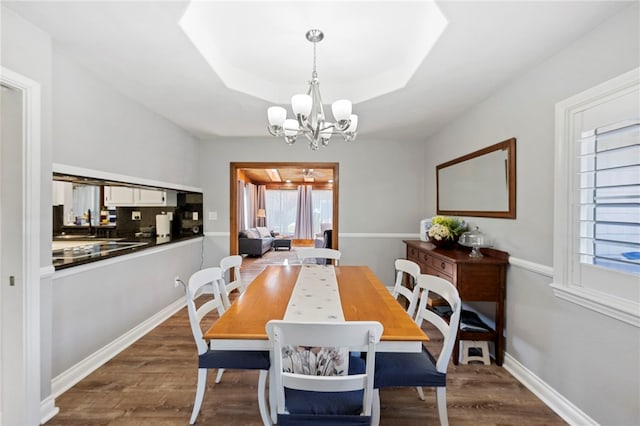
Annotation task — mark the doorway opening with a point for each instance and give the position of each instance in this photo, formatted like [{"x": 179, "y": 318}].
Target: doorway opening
[{"x": 281, "y": 175}]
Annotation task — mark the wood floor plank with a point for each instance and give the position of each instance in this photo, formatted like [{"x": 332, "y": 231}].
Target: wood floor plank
[{"x": 153, "y": 383}]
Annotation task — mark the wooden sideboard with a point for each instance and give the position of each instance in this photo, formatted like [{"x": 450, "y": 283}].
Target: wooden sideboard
[{"x": 477, "y": 279}]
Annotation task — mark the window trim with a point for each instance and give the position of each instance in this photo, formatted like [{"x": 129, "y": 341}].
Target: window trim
[{"x": 566, "y": 131}]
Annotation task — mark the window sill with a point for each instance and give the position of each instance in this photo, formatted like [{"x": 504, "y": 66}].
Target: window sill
[{"x": 614, "y": 307}]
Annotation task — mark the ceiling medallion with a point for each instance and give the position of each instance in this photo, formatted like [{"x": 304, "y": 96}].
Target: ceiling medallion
[{"x": 309, "y": 113}]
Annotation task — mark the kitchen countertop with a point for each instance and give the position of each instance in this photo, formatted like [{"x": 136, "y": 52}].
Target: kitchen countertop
[{"x": 67, "y": 253}]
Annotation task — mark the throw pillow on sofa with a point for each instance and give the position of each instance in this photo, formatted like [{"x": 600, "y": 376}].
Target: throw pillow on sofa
[
  {"x": 264, "y": 232},
  {"x": 253, "y": 233}
]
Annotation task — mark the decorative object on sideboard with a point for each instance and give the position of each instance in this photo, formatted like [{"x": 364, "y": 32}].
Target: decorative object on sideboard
[
  {"x": 309, "y": 114},
  {"x": 476, "y": 240},
  {"x": 445, "y": 231}
]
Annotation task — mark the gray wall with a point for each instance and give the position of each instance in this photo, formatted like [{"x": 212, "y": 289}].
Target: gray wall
[
  {"x": 85, "y": 123},
  {"x": 100, "y": 129},
  {"x": 381, "y": 192},
  {"x": 583, "y": 355},
  {"x": 34, "y": 62}
]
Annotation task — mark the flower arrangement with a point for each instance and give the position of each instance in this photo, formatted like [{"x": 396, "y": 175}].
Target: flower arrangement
[{"x": 446, "y": 229}]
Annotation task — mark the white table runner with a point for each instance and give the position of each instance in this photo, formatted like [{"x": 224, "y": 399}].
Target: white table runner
[{"x": 315, "y": 297}]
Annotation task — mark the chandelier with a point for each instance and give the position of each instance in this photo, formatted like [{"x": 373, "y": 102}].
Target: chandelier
[{"x": 309, "y": 114}]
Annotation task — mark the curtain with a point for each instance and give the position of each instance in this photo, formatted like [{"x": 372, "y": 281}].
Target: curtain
[
  {"x": 252, "y": 195},
  {"x": 261, "y": 200},
  {"x": 242, "y": 224},
  {"x": 304, "y": 214}
]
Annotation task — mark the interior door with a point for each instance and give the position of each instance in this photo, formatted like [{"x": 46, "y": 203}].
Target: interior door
[{"x": 11, "y": 249}]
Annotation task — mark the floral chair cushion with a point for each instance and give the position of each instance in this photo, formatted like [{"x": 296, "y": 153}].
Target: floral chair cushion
[{"x": 315, "y": 361}]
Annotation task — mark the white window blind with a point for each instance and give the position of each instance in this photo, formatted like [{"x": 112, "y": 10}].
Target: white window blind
[
  {"x": 609, "y": 194},
  {"x": 597, "y": 199}
]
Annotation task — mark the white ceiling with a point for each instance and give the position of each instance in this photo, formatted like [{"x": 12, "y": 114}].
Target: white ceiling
[{"x": 370, "y": 48}]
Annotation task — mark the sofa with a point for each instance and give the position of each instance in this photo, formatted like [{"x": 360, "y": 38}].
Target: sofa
[{"x": 255, "y": 241}]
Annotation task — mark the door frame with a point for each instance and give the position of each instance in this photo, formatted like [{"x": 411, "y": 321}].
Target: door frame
[
  {"x": 233, "y": 194},
  {"x": 27, "y": 393}
]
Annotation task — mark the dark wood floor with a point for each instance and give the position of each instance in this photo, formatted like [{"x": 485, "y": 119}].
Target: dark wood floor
[{"x": 153, "y": 383}]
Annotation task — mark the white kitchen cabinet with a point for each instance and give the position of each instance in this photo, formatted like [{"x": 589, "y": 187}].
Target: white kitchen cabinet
[
  {"x": 136, "y": 197},
  {"x": 118, "y": 196}
]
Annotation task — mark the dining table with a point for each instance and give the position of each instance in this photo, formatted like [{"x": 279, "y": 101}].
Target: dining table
[{"x": 361, "y": 296}]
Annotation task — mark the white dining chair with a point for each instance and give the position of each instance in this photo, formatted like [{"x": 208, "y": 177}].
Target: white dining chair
[
  {"x": 219, "y": 359},
  {"x": 229, "y": 265},
  {"x": 318, "y": 399},
  {"x": 407, "y": 272},
  {"x": 304, "y": 254},
  {"x": 421, "y": 369}
]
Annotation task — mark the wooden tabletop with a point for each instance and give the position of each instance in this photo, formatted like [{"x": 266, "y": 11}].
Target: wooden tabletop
[{"x": 362, "y": 295}]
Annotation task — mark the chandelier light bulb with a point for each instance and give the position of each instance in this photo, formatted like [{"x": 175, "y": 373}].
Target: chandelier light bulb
[
  {"x": 276, "y": 116},
  {"x": 290, "y": 130},
  {"x": 353, "y": 123},
  {"x": 341, "y": 110},
  {"x": 301, "y": 105}
]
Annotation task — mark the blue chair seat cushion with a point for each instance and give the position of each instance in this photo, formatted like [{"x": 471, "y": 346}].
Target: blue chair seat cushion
[
  {"x": 327, "y": 403},
  {"x": 407, "y": 369},
  {"x": 309, "y": 419},
  {"x": 244, "y": 360}
]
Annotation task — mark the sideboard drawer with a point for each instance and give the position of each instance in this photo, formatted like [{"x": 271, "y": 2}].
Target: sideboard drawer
[
  {"x": 413, "y": 254},
  {"x": 433, "y": 271},
  {"x": 442, "y": 266}
]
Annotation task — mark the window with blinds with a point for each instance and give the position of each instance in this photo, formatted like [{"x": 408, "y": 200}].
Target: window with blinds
[{"x": 609, "y": 197}]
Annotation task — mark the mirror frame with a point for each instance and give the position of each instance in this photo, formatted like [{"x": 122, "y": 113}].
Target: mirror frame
[{"x": 510, "y": 146}]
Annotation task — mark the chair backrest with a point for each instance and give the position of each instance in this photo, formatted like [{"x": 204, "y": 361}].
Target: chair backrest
[
  {"x": 403, "y": 268},
  {"x": 204, "y": 277},
  {"x": 305, "y": 253},
  {"x": 356, "y": 335},
  {"x": 226, "y": 285},
  {"x": 448, "y": 328}
]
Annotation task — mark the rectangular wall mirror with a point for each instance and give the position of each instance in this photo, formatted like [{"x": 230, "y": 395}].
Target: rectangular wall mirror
[{"x": 482, "y": 183}]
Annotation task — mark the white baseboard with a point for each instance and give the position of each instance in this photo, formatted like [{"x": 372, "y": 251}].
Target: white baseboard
[
  {"x": 554, "y": 400},
  {"x": 73, "y": 375},
  {"x": 48, "y": 409}
]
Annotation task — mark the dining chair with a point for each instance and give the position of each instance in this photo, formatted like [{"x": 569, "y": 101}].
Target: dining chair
[
  {"x": 228, "y": 264},
  {"x": 321, "y": 399},
  {"x": 407, "y": 270},
  {"x": 306, "y": 253},
  {"x": 421, "y": 369},
  {"x": 219, "y": 359}
]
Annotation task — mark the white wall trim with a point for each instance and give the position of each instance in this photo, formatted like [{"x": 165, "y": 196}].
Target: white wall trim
[
  {"x": 123, "y": 258},
  {"x": 73, "y": 375},
  {"x": 48, "y": 409},
  {"x": 98, "y": 174},
  {"x": 538, "y": 268},
  {"x": 621, "y": 309},
  {"x": 216, "y": 234},
  {"x": 552, "y": 398},
  {"x": 47, "y": 272},
  {"x": 408, "y": 236}
]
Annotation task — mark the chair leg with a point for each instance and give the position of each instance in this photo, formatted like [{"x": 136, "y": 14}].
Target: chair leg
[
  {"x": 420, "y": 392},
  {"x": 441, "y": 398},
  {"x": 219, "y": 375},
  {"x": 197, "y": 403},
  {"x": 262, "y": 402},
  {"x": 375, "y": 408},
  {"x": 272, "y": 397}
]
